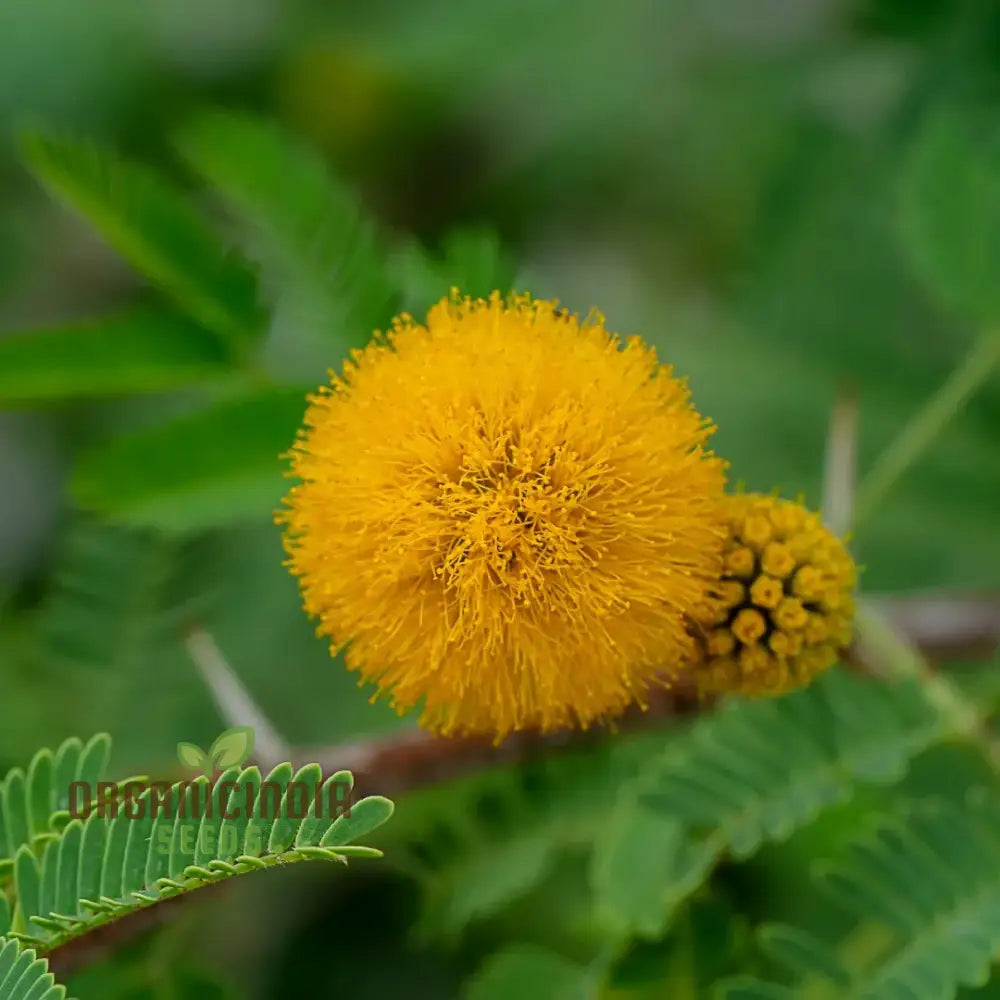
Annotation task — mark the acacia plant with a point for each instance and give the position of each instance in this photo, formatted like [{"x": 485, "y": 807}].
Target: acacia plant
[{"x": 598, "y": 864}]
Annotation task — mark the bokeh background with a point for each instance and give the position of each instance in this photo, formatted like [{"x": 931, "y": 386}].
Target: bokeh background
[{"x": 721, "y": 176}]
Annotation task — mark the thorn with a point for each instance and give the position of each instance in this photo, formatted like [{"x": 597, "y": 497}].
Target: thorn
[
  {"x": 232, "y": 699},
  {"x": 840, "y": 470}
]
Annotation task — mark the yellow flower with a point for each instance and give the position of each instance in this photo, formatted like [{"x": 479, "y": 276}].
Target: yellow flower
[
  {"x": 507, "y": 513},
  {"x": 784, "y": 609}
]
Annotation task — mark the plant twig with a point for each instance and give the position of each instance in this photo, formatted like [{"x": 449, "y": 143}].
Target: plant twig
[
  {"x": 936, "y": 624},
  {"x": 921, "y": 430},
  {"x": 933, "y": 624},
  {"x": 400, "y": 762},
  {"x": 104, "y": 941}
]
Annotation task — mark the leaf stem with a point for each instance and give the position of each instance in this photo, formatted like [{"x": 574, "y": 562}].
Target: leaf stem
[{"x": 927, "y": 423}]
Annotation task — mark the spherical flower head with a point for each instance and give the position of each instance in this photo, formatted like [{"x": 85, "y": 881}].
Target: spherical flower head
[
  {"x": 784, "y": 610},
  {"x": 507, "y": 514}
]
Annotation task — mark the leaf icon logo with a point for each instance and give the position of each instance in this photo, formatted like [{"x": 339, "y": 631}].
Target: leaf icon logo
[
  {"x": 231, "y": 749},
  {"x": 191, "y": 755}
]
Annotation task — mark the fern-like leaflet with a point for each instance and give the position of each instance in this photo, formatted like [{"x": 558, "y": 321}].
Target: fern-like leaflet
[
  {"x": 25, "y": 976},
  {"x": 318, "y": 251},
  {"x": 732, "y": 784},
  {"x": 34, "y": 804},
  {"x": 927, "y": 880},
  {"x": 102, "y": 868},
  {"x": 681, "y": 799},
  {"x": 153, "y": 226},
  {"x": 480, "y": 843},
  {"x": 73, "y": 874},
  {"x": 117, "y": 596}
]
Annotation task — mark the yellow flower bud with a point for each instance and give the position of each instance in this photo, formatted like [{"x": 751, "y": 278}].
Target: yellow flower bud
[{"x": 790, "y": 617}]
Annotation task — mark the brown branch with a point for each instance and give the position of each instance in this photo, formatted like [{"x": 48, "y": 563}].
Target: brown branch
[
  {"x": 956, "y": 626},
  {"x": 940, "y": 625},
  {"x": 104, "y": 941},
  {"x": 387, "y": 765},
  {"x": 399, "y": 762}
]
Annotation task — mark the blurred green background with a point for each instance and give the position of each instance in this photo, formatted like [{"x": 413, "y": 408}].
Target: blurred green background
[{"x": 722, "y": 176}]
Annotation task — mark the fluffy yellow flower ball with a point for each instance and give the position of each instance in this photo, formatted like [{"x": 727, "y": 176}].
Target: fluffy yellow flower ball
[{"x": 507, "y": 514}]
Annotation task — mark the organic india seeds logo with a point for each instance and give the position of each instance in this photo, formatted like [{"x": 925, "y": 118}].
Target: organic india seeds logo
[{"x": 225, "y": 801}]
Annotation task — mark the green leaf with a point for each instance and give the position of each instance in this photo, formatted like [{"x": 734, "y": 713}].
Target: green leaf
[
  {"x": 23, "y": 976},
  {"x": 208, "y": 845},
  {"x": 41, "y": 792},
  {"x": 14, "y": 810},
  {"x": 183, "y": 841},
  {"x": 9, "y": 950},
  {"x": 142, "y": 352},
  {"x": 295, "y": 804},
  {"x": 327, "y": 805},
  {"x": 191, "y": 755},
  {"x": 473, "y": 261},
  {"x": 318, "y": 252},
  {"x": 233, "y": 833},
  {"x": 113, "y": 863},
  {"x": 70, "y": 850},
  {"x": 475, "y": 883},
  {"x": 480, "y": 844},
  {"x": 931, "y": 875},
  {"x": 95, "y": 838},
  {"x": 730, "y": 782},
  {"x": 138, "y": 846},
  {"x": 950, "y": 211},
  {"x": 132, "y": 857},
  {"x": 747, "y": 988},
  {"x": 67, "y": 758},
  {"x": 118, "y": 597},
  {"x": 20, "y": 972},
  {"x": 213, "y": 468},
  {"x": 269, "y": 799},
  {"x": 634, "y": 866},
  {"x": 50, "y": 878},
  {"x": 367, "y": 815},
  {"x": 160, "y": 841},
  {"x": 233, "y": 747},
  {"x": 28, "y": 884},
  {"x": 155, "y": 229},
  {"x": 531, "y": 973},
  {"x": 30, "y": 805},
  {"x": 94, "y": 759},
  {"x": 801, "y": 953}
]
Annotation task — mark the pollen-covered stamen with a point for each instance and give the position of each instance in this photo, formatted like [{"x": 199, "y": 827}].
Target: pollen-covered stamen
[{"x": 509, "y": 520}]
